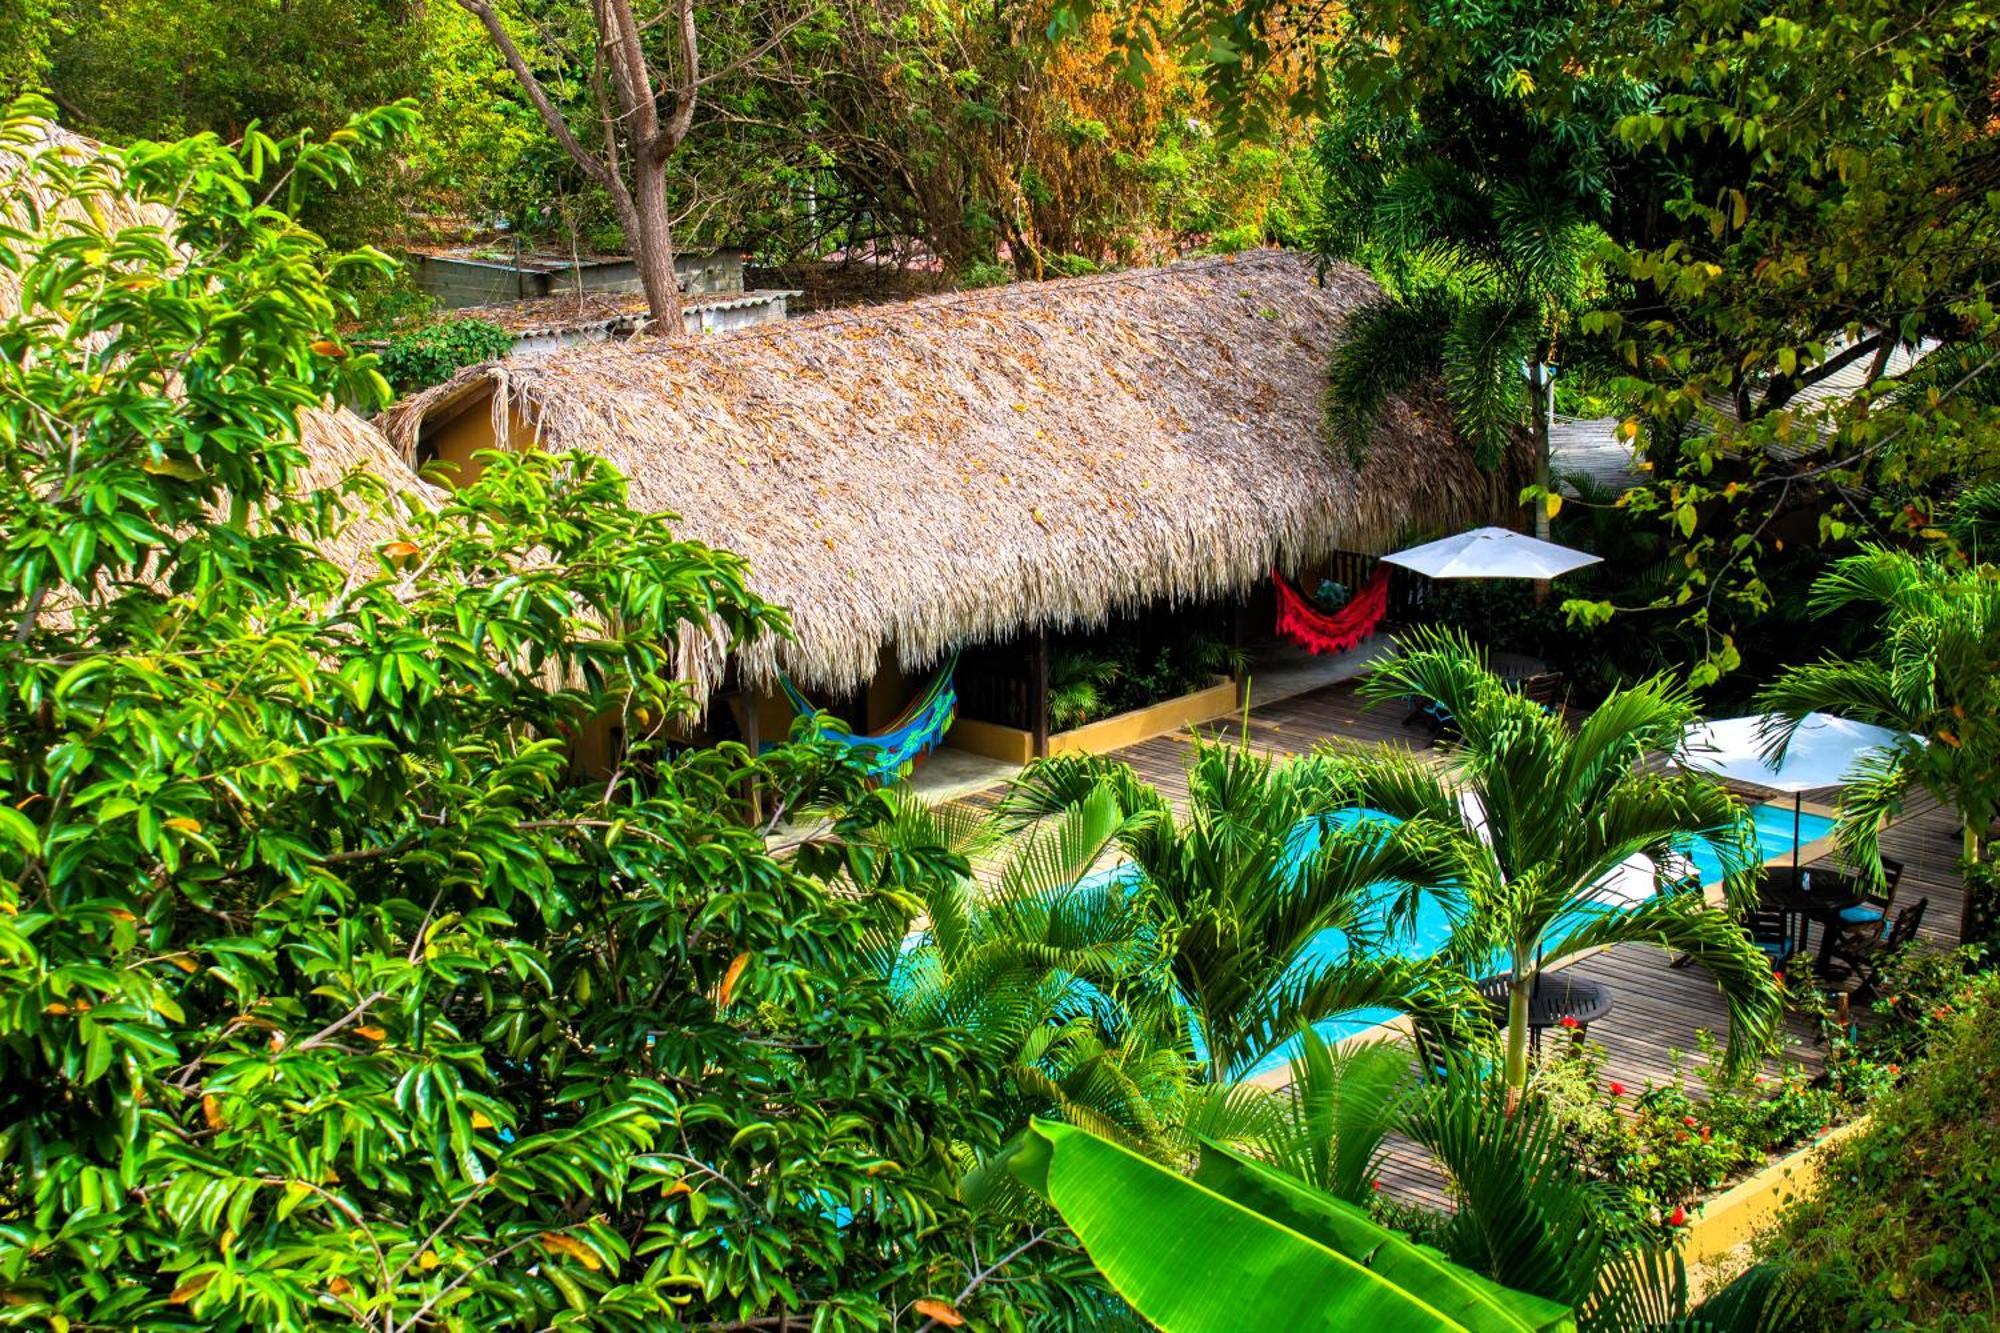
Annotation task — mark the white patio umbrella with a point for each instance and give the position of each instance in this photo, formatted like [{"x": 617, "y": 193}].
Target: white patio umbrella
[
  {"x": 1491, "y": 553},
  {"x": 1824, "y": 752}
]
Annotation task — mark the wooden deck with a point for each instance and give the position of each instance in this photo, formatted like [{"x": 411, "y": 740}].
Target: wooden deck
[{"x": 1657, "y": 1010}]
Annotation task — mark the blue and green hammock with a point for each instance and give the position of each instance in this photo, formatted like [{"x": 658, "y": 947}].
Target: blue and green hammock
[{"x": 916, "y": 731}]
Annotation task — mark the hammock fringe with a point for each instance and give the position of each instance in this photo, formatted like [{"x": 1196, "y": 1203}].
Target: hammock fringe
[{"x": 1318, "y": 632}]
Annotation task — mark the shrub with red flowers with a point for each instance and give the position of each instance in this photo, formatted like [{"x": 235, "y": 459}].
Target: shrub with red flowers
[{"x": 1669, "y": 1146}]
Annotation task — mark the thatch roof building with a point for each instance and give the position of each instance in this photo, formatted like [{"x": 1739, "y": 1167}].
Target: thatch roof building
[
  {"x": 948, "y": 470},
  {"x": 336, "y": 441}
]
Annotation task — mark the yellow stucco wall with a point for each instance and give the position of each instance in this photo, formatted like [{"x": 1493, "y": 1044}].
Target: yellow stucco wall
[{"x": 456, "y": 441}]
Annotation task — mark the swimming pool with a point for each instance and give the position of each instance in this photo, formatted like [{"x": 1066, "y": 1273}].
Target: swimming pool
[{"x": 1430, "y": 929}]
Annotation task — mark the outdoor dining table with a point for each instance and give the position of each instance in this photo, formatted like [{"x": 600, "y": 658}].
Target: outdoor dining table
[
  {"x": 1817, "y": 894},
  {"x": 1515, "y": 666},
  {"x": 1555, "y": 997}
]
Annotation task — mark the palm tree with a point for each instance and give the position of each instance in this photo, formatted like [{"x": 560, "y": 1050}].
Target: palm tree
[
  {"x": 1050, "y": 966},
  {"x": 1934, "y": 677},
  {"x": 1535, "y": 818},
  {"x": 1484, "y": 273},
  {"x": 1239, "y": 893}
]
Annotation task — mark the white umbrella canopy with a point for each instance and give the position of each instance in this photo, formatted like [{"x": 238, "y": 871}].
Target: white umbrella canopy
[
  {"x": 1491, "y": 553},
  {"x": 1823, "y": 752}
]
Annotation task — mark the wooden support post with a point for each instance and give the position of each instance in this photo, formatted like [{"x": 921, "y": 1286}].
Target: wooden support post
[
  {"x": 1240, "y": 641},
  {"x": 1038, "y": 691}
]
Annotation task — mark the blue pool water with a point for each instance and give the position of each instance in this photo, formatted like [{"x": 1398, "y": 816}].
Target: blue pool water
[{"x": 1431, "y": 926}]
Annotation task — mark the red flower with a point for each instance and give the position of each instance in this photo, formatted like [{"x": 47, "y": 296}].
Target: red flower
[
  {"x": 1374, "y": 1184},
  {"x": 1704, "y": 1133},
  {"x": 1678, "y": 1217},
  {"x": 1778, "y": 976},
  {"x": 1895, "y": 1070},
  {"x": 1940, "y": 1014},
  {"x": 1688, "y": 1120},
  {"x": 1569, "y": 1021},
  {"x": 1617, "y": 1089}
]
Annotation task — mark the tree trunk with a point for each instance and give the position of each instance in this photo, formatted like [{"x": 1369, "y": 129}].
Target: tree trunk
[
  {"x": 653, "y": 250},
  {"x": 1518, "y": 995},
  {"x": 1538, "y": 385}
]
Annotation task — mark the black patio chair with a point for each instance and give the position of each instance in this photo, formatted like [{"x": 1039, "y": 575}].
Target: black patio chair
[
  {"x": 1866, "y": 918},
  {"x": 1865, "y": 960},
  {"x": 1779, "y": 932}
]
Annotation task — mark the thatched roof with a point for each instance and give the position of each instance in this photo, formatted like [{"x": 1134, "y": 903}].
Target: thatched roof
[
  {"x": 950, "y": 469},
  {"x": 335, "y": 440}
]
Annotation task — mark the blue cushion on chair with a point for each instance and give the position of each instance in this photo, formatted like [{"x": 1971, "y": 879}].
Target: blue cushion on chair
[
  {"x": 1775, "y": 948},
  {"x": 1860, "y": 915}
]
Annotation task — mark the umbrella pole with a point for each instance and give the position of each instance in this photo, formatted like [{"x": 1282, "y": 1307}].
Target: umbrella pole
[{"x": 1799, "y": 801}]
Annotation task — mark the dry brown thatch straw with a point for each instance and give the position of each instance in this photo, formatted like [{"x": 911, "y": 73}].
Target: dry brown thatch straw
[
  {"x": 336, "y": 441},
  {"x": 950, "y": 469}
]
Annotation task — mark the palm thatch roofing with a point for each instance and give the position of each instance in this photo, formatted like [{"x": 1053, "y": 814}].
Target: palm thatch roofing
[
  {"x": 337, "y": 443},
  {"x": 952, "y": 469}
]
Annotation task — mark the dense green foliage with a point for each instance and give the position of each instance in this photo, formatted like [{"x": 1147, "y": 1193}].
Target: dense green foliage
[
  {"x": 1930, "y": 678},
  {"x": 432, "y": 351},
  {"x": 1483, "y": 230},
  {"x": 1799, "y": 198},
  {"x": 330, "y": 998},
  {"x": 920, "y": 127},
  {"x": 1669, "y": 1145},
  {"x": 1133, "y": 666},
  {"x": 156, "y": 69},
  {"x": 1902, "y": 1231}
]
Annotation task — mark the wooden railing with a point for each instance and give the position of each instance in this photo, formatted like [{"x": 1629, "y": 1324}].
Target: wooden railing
[{"x": 1407, "y": 589}]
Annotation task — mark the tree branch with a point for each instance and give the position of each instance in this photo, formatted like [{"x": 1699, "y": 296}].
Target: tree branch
[{"x": 551, "y": 116}]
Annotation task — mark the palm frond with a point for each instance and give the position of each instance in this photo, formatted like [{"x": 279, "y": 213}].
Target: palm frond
[
  {"x": 1335, "y": 1118},
  {"x": 1484, "y": 350},
  {"x": 1386, "y": 346},
  {"x": 1713, "y": 941},
  {"x": 1525, "y": 1215}
]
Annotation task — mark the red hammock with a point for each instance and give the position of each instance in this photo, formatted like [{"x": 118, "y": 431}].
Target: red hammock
[{"x": 1316, "y": 631}]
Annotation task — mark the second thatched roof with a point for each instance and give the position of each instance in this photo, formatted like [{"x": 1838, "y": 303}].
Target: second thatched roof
[{"x": 952, "y": 469}]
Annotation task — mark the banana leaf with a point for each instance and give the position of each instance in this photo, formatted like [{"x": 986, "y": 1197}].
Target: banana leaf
[{"x": 1250, "y": 1248}]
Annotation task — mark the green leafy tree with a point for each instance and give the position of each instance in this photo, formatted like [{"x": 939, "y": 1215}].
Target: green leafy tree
[
  {"x": 1238, "y": 897},
  {"x": 151, "y": 69},
  {"x": 328, "y": 996},
  {"x": 1802, "y": 215},
  {"x": 1812, "y": 315},
  {"x": 1536, "y": 819},
  {"x": 1930, "y": 678},
  {"x": 1482, "y": 225}
]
